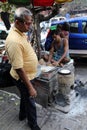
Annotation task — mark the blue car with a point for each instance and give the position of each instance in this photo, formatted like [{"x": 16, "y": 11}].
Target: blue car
[{"x": 77, "y": 36}]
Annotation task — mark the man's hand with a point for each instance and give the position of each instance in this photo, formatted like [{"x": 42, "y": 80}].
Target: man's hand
[
  {"x": 32, "y": 92},
  {"x": 48, "y": 63},
  {"x": 55, "y": 63}
]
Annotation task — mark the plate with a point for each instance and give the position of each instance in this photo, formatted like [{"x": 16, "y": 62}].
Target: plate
[
  {"x": 64, "y": 71},
  {"x": 47, "y": 68}
]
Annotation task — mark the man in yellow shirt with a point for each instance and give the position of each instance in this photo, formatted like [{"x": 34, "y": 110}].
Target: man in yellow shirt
[{"x": 24, "y": 65}]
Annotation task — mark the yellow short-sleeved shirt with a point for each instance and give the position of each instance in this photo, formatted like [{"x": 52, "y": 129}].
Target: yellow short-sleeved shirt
[{"x": 21, "y": 54}]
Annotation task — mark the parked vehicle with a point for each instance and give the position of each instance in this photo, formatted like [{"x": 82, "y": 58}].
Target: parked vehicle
[
  {"x": 56, "y": 19},
  {"x": 44, "y": 25},
  {"x": 77, "y": 36},
  {"x": 43, "y": 38}
]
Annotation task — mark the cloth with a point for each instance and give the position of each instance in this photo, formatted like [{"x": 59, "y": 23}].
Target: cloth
[
  {"x": 21, "y": 54},
  {"x": 27, "y": 104},
  {"x": 5, "y": 18},
  {"x": 59, "y": 51}
]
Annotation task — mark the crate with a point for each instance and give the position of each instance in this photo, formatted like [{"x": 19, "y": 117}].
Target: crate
[{"x": 45, "y": 89}]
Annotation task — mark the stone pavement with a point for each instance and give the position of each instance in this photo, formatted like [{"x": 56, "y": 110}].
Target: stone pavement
[{"x": 48, "y": 118}]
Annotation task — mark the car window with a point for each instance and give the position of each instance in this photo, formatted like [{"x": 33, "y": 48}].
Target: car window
[
  {"x": 54, "y": 20},
  {"x": 84, "y": 27},
  {"x": 74, "y": 27}
]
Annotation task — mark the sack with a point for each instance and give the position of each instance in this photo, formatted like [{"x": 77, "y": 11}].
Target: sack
[
  {"x": 5, "y": 77},
  {"x": 5, "y": 18}
]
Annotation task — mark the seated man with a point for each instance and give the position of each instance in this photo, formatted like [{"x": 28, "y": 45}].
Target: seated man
[{"x": 59, "y": 52}]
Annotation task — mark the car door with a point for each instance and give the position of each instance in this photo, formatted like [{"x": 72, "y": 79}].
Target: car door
[{"x": 77, "y": 36}]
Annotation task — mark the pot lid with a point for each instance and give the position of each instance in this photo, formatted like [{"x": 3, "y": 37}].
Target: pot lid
[{"x": 64, "y": 71}]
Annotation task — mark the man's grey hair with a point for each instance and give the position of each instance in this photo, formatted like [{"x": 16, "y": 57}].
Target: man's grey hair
[{"x": 21, "y": 12}]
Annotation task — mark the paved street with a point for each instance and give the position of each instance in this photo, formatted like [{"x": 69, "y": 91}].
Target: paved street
[{"x": 48, "y": 119}]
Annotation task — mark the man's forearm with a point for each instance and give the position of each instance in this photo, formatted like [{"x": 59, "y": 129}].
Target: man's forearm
[
  {"x": 63, "y": 56},
  {"x": 24, "y": 77},
  {"x": 50, "y": 57}
]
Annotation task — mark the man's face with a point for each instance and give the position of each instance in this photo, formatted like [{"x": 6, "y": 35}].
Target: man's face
[
  {"x": 56, "y": 38},
  {"x": 26, "y": 24}
]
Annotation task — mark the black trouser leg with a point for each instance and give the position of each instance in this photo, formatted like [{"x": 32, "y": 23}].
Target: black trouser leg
[{"x": 27, "y": 104}]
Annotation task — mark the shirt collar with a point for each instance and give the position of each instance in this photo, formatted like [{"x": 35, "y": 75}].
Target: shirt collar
[{"x": 21, "y": 33}]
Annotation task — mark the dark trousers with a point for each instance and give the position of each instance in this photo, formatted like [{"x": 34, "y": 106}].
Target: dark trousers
[{"x": 27, "y": 104}]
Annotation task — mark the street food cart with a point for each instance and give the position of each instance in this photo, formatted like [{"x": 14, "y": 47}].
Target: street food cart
[{"x": 55, "y": 86}]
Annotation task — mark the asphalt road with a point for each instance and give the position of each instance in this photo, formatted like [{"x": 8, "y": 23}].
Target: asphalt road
[{"x": 81, "y": 69}]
